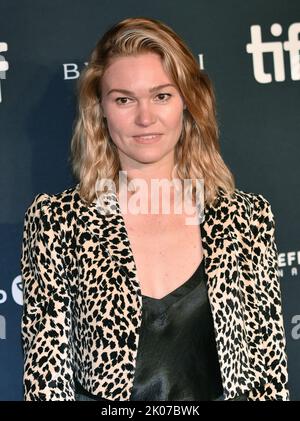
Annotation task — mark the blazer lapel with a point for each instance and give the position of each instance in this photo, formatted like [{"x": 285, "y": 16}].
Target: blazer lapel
[{"x": 105, "y": 221}]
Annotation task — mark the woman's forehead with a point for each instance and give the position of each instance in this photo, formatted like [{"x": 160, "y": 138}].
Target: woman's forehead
[{"x": 143, "y": 73}]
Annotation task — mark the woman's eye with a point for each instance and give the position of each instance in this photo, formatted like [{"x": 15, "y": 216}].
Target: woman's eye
[
  {"x": 121, "y": 100},
  {"x": 164, "y": 96}
]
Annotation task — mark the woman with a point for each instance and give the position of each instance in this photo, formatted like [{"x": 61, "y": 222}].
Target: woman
[{"x": 126, "y": 305}]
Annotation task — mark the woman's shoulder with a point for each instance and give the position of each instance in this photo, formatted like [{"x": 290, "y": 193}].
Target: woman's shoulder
[
  {"x": 253, "y": 201},
  {"x": 244, "y": 205},
  {"x": 64, "y": 196},
  {"x": 43, "y": 201},
  {"x": 256, "y": 208}
]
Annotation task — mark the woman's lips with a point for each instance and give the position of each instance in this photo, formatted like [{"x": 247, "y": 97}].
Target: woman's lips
[{"x": 147, "y": 139}]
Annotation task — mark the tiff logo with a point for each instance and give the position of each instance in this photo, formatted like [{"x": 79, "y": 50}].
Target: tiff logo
[
  {"x": 258, "y": 48},
  {"x": 3, "y": 65}
]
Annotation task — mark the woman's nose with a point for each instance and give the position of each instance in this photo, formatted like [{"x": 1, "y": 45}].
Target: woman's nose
[{"x": 145, "y": 114}]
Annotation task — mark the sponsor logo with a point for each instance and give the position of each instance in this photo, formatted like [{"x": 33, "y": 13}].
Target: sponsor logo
[{"x": 259, "y": 48}]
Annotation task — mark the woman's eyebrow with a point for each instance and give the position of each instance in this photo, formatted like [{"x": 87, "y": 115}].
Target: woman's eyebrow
[{"x": 155, "y": 88}]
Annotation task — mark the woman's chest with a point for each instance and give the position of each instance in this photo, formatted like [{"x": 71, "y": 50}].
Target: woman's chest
[{"x": 166, "y": 252}]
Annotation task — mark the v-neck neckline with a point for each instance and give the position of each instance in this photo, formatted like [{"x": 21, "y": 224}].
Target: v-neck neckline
[{"x": 180, "y": 288}]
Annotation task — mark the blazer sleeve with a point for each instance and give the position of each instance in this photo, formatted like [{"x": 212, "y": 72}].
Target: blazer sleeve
[
  {"x": 270, "y": 305},
  {"x": 46, "y": 318}
]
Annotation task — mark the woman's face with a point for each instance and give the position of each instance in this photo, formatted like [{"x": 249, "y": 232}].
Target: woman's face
[{"x": 135, "y": 104}]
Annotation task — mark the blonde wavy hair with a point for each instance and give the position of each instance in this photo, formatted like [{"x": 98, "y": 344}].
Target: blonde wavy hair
[{"x": 94, "y": 155}]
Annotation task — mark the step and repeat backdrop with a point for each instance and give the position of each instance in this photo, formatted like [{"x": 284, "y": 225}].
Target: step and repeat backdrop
[{"x": 251, "y": 51}]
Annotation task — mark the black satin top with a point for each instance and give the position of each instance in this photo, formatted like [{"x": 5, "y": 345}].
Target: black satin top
[{"x": 177, "y": 357}]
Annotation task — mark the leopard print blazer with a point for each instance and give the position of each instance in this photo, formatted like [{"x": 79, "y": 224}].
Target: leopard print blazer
[{"x": 83, "y": 305}]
